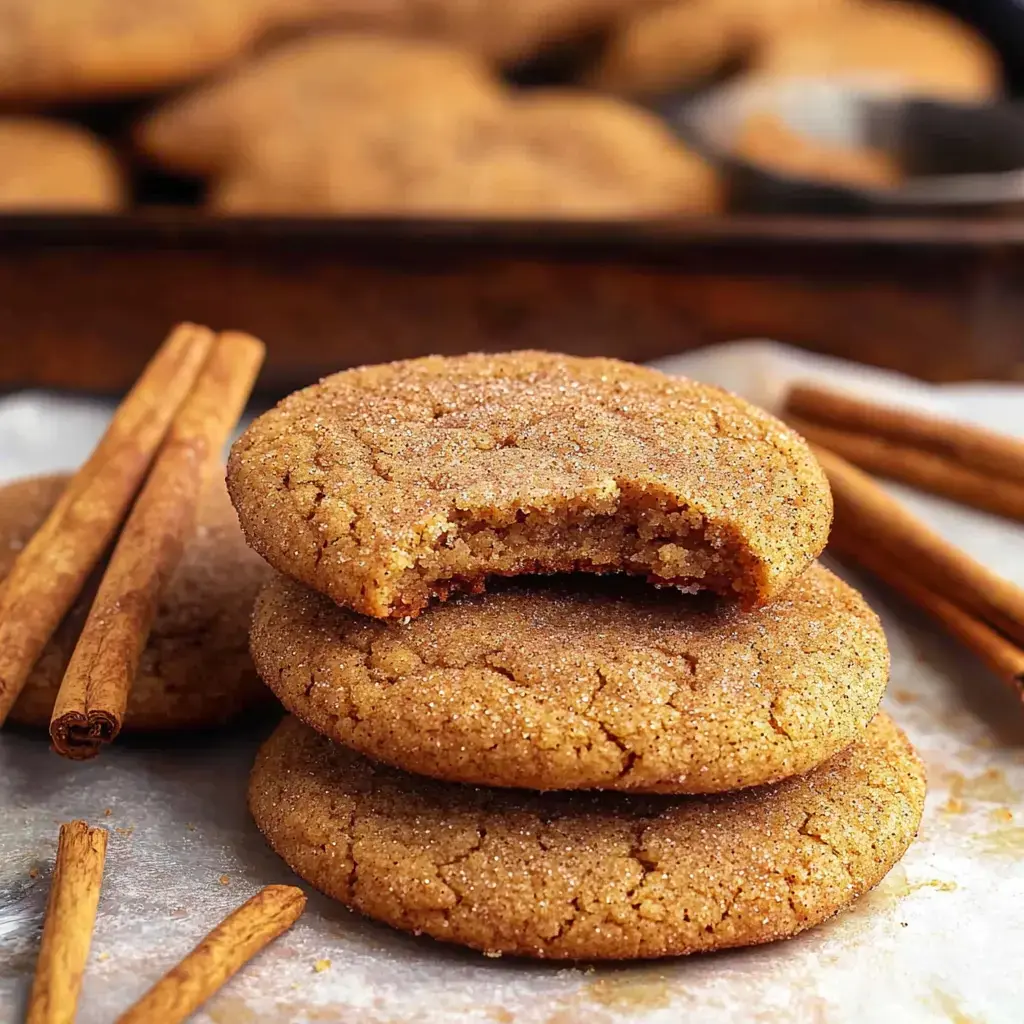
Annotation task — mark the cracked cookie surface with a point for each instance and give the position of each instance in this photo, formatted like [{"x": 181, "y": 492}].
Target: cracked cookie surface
[
  {"x": 583, "y": 683},
  {"x": 582, "y": 875},
  {"x": 386, "y": 486},
  {"x": 195, "y": 670}
]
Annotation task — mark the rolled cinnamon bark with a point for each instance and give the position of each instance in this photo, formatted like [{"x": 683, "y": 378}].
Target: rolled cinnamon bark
[
  {"x": 53, "y": 567},
  {"x": 67, "y": 929},
  {"x": 93, "y": 696},
  {"x": 232, "y": 944}
]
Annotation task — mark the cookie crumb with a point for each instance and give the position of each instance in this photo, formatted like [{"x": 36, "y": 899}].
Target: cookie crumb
[
  {"x": 102, "y": 956},
  {"x": 954, "y": 805},
  {"x": 1002, "y": 815},
  {"x": 224, "y": 880},
  {"x": 33, "y": 872},
  {"x": 904, "y": 697},
  {"x": 107, "y": 812},
  {"x": 125, "y": 831},
  {"x": 190, "y": 826},
  {"x": 321, "y": 965}
]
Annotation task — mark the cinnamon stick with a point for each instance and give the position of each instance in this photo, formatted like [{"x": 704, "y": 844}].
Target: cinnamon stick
[
  {"x": 1001, "y": 655},
  {"x": 863, "y": 506},
  {"x": 52, "y": 568},
  {"x": 67, "y": 929},
  {"x": 93, "y": 696},
  {"x": 983, "y": 451},
  {"x": 918, "y": 467},
  {"x": 232, "y": 944}
]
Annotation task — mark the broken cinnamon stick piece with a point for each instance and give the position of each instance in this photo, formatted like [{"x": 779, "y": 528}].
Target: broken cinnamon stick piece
[
  {"x": 922, "y": 469},
  {"x": 975, "y": 448},
  {"x": 861, "y": 505},
  {"x": 67, "y": 929},
  {"x": 52, "y": 568},
  {"x": 232, "y": 944},
  {"x": 91, "y": 703},
  {"x": 1001, "y": 655}
]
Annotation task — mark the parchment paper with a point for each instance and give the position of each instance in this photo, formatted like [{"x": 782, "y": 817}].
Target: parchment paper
[{"x": 942, "y": 939}]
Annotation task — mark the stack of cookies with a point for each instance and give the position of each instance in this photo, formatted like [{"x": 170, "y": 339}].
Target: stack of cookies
[{"x": 566, "y": 678}]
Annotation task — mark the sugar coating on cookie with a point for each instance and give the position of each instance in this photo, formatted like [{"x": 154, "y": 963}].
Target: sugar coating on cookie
[
  {"x": 581, "y": 875},
  {"x": 583, "y": 683},
  {"x": 386, "y": 486},
  {"x": 195, "y": 670}
]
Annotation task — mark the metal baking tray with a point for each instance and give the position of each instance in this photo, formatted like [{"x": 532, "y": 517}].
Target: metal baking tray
[
  {"x": 86, "y": 300},
  {"x": 959, "y": 159}
]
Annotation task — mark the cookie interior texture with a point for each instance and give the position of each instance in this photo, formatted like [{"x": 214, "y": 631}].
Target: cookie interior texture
[
  {"x": 588, "y": 876},
  {"x": 389, "y": 485},
  {"x": 195, "y": 669},
  {"x": 583, "y": 683}
]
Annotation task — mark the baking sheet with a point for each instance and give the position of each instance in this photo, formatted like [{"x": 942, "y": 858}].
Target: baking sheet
[{"x": 938, "y": 941}]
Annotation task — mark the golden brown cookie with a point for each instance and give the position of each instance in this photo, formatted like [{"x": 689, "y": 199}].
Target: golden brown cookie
[
  {"x": 917, "y": 49},
  {"x": 54, "y": 50},
  {"x": 388, "y": 485},
  {"x": 322, "y": 87},
  {"x": 588, "y": 876},
  {"x": 550, "y": 154},
  {"x": 48, "y": 165},
  {"x": 583, "y": 684},
  {"x": 766, "y": 140},
  {"x": 505, "y": 31},
  {"x": 658, "y": 49},
  {"x": 195, "y": 670}
]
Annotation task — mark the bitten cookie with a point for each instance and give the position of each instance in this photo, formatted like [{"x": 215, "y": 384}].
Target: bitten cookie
[
  {"x": 48, "y": 165},
  {"x": 386, "y": 486},
  {"x": 195, "y": 670},
  {"x": 583, "y": 684},
  {"x": 588, "y": 876}
]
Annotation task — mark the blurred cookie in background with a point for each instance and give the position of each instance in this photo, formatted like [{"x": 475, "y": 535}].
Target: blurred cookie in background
[
  {"x": 659, "y": 49},
  {"x": 504, "y": 31},
  {"x": 313, "y": 85},
  {"x": 766, "y": 140},
  {"x": 50, "y": 165},
  {"x": 76, "y": 50},
  {"x": 914, "y": 49},
  {"x": 548, "y": 154}
]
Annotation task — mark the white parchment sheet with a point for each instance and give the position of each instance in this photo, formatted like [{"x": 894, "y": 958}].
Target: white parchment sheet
[{"x": 941, "y": 940}]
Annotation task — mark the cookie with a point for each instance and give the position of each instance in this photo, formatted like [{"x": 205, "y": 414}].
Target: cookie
[
  {"x": 583, "y": 684},
  {"x": 48, "y": 165},
  {"x": 550, "y": 154},
  {"x": 55, "y": 50},
  {"x": 582, "y": 875},
  {"x": 385, "y": 486},
  {"x": 195, "y": 671},
  {"x": 504, "y": 31},
  {"x": 657, "y": 50},
  {"x": 766, "y": 140},
  {"x": 916, "y": 49},
  {"x": 321, "y": 87}
]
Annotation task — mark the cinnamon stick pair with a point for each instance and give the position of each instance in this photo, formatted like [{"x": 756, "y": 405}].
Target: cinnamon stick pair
[
  {"x": 52, "y": 568},
  {"x": 873, "y": 530},
  {"x": 94, "y": 693},
  {"x": 67, "y": 936},
  {"x": 957, "y": 460}
]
